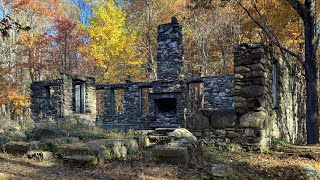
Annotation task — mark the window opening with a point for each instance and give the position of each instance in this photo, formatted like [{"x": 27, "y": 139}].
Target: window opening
[
  {"x": 49, "y": 97},
  {"x": 80, "y": 98},
  {"x": 100, "y": 101},
  {"x": 118, "y": 101},
  {"x": 195, "y": 96},
  {"x": 144, "y": 100}
]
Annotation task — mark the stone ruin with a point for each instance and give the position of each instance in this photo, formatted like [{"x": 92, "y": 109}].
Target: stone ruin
[
  {"x": 70, "y": 97},
  {"x": 261, "y": 101}
]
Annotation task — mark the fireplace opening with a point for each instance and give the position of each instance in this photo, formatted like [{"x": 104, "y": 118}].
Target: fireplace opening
[
  {"x": 166, "y": 105},
  {"x": 166, "y": 110}
]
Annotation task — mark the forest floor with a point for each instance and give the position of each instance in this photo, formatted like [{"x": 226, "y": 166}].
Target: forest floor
[{"x": 237, "y": 165}]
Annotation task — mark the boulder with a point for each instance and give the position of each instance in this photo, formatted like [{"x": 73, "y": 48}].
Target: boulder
[
  {"x": 22, "y": 136},
  {"x": 119, "y": 148},
  {"x": 253, "y": 91},
  {"x": 182, "y": 133},
  {"x": 81, "y": 149},
  {"x": 80, "y": 161},
  {"x": 182, "y": 143},
  {"x": 223, "y": 118},
  {"x": 311, "y": 172},
  {"x": 219, "y": 171},
  {"x": 197, "y": 121},
  {"x": 253, "y": 120},
  {"x": 52, "y": 144},
  {"x": 174, "y": 155},
  {"x": 103, "y": 149},
  {"x": 20, "y": 147},
  {"x": 15, "y": 135},
  {"x": 207, "y": 112}
]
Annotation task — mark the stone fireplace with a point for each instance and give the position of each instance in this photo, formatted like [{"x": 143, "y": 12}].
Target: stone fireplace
[{"x": 165, "y": 108}]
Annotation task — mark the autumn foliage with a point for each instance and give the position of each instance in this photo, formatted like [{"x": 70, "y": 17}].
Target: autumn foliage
[{"x": 110, "y": 40}]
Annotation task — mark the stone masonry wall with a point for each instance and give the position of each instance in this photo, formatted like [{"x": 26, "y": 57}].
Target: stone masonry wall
[
  {"x": 218, "y": 95},
  {"x": 260, "y": 80},
  {"x": 131, "y": 117},
  {"x": 245, "y": 124},
  {"x": 170, "y": 51},
  {"x": 219, "y": 92},
  {"x": 268, "y": 94},
  {"x": 253, "y": 89},
  {"x": 55, "y": 98},
  {"x": 45, "y": 99},
  {"x": 253, "y": 78}
]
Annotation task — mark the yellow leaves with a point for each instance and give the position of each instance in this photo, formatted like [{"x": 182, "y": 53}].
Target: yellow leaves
[
  {"x": 112, "y": 46},
  {"x": 18, "y": 100}
]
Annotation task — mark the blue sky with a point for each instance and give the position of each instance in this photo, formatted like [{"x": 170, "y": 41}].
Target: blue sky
[
  {"x": 85, "y": 11},
  {"x": 1, "y": 14}
]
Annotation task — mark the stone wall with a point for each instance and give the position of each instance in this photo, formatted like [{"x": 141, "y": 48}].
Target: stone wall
[
  {"x": 268, "y": 103},
  {"x": 261, "y": 101},
  {"x": 56, "y": 99},
  {"x": 131, "y": 117},
  {"x": 253, "y": 88},
  {"x": 289, "y": 116},
  {"x": 45, "y": 99},
  {"x": 268, "y": 93},
  {"x": 169, "y": 51},
  {"x": 253, "y": 78},
  {"x": 219, "y": 92}
]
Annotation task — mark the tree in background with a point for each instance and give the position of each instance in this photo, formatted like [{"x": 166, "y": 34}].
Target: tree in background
[
  {"x": 306, "y": 12},
  {"x": 112, "y": 45},
  {"x": 19, "y": 56}
]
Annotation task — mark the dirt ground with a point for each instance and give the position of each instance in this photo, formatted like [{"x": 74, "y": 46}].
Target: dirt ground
[
  {"x": 12, "y": 167},
  {"x": 238, "y": 165}
]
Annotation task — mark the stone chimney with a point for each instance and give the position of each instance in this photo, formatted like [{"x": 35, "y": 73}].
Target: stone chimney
[{"x": 170, "y": 51}]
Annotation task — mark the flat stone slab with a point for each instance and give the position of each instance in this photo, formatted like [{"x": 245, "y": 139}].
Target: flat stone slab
[
  {"x": 310, "y": 152},
  {"x": 80, "y": 161},
  {"x": 103, "y": 149},
  {"x": 77, "y": 148},
  {"x": 14, "y": 147},
  {"x": 174, "y": 155}
]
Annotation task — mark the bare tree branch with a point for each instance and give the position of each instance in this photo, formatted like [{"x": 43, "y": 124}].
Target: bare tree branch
[
  {"x": 7, "y": 23},
  {"x": 299, "y": 7},
  {"x": 268, "y": 31}
]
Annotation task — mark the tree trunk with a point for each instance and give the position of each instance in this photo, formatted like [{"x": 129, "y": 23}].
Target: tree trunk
[
  {"x": 203, "y": 56},
  {"x": 151, "y": 64},
  {"x": 311, "y": 71}
]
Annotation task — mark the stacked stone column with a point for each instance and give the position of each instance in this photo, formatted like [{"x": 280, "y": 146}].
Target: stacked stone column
[
  {"x": 253, "y": 78},
  {"x": 170, "y": 51},
  {"x": 253, "y": 92}
]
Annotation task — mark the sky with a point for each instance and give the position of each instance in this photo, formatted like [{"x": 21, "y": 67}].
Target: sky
[{"x": 85, "y": 11}]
